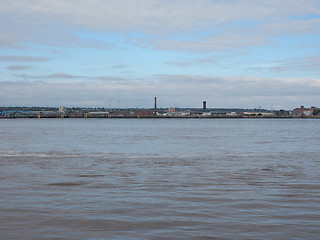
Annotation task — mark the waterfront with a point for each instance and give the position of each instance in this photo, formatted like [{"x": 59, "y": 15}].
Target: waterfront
[
  {"x": 63, "y": 112},
  {"x": 160, "y": 178}
]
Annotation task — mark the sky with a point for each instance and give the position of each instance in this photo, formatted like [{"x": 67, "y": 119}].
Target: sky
[{"x": 107, "y": 53}]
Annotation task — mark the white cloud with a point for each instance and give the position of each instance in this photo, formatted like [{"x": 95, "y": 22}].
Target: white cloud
[
  {"x": 45, "y": 21},
  {"x": 23, "y": 59},
  {"x": 61, "y": 75},
  {"x": 118, "y": 66},
  {"x": 17, "y": 31},
  {"x": 18, "y": 67},
  {"x": 66, "y": 76},
  {"x": 154, "y": 15},
  {"x": 300, "y": 66},
  {"x": 171, "y": 90},
  {"x": 218, "y": 43}
]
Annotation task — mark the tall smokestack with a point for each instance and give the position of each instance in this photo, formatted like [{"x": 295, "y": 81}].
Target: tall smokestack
[
  {"x": 204, "y": 106},
  {"x": 155, "y": 105}
]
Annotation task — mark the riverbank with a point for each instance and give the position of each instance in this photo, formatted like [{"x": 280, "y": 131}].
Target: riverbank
[{"x": 164, "y": 117}]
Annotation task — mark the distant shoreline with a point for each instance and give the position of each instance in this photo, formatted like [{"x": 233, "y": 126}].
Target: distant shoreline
[{"x": 165, "y": 117}]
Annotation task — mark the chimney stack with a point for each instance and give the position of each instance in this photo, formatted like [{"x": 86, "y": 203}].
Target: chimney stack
[
  {"x": 204, "y": 106},
  {"x": 155, "y": 106}
]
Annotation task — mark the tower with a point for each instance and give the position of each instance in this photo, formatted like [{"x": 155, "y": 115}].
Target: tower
[{"x": 204, "y": 106}]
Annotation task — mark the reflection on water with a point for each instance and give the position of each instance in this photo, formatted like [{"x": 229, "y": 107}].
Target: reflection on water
[{"x": 159, "y": 179}]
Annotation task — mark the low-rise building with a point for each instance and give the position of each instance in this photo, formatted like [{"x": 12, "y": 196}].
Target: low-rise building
[
  {"x": 62, "y": 109},
  {"x": 232, "y": 114},
  {"x": 144, "y": 113},
  {"x": 302, "y": 111}
]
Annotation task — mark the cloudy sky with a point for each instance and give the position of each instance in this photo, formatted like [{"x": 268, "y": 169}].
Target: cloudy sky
[{"x": 107, "y": 53}]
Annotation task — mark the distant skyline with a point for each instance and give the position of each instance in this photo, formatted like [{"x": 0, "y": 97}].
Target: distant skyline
[{"x": 105, "y": 53}]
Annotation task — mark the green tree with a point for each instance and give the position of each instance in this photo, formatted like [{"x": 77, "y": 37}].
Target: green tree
[{"x": 316, "y": 112}]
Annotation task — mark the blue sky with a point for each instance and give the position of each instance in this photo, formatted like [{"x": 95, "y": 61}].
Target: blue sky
[{"x": 105, "y": 53}]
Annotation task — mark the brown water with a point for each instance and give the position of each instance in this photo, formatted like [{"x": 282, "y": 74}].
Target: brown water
[{"x": 159, "y": 179}]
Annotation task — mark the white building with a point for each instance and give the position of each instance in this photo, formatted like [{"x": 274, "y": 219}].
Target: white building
[
  {"x": 302, "y": 111},
  {"x": 62, "y": 109}
]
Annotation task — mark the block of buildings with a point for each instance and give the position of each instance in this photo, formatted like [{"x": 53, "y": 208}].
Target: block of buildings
[{"x": 303, "y": 112}]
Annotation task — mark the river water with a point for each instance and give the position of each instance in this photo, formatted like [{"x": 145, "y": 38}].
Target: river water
[{"x": 159, "y": 179}]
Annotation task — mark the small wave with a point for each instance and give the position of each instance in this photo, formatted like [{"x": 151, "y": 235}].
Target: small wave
[
  {"x": 90, "y": 176},
  {"x": 267, "y": 169},
  {"x": 67, "y": 184},
  {"x": 18, "y": 154}
]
